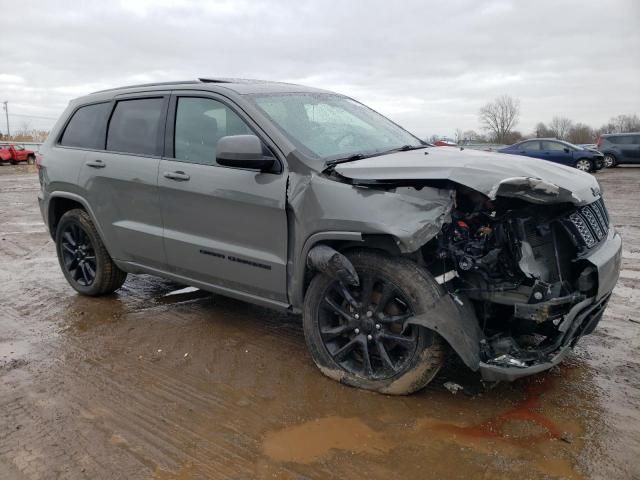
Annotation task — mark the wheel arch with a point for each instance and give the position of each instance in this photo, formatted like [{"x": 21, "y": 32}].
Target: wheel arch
[
  {"x": 60, "y": 203},
  {"x": 343, "y": 242}
]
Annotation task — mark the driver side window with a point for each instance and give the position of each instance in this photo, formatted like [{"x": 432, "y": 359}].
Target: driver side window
[{"x": 200, "y": 123}]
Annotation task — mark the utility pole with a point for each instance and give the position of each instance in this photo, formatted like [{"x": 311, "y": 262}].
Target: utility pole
[{"x": 6, "y": 111}]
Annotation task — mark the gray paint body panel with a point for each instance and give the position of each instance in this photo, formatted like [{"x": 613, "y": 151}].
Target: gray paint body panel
[{"x": 258, "y": 228}]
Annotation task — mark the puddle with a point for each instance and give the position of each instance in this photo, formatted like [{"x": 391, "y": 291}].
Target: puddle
[{"x": 311, "y": 441}]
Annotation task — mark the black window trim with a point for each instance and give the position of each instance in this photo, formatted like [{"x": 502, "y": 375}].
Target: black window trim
[
  {"x": 169, "y": 153},
  {"x": 159, "y": 143},
  {"x": 58, "y": 143}
]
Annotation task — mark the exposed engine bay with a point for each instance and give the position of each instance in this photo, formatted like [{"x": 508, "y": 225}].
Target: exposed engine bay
[{"x": 520, "y": 265}]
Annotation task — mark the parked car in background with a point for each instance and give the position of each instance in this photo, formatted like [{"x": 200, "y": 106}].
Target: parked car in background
[
  {"x": 16, "y": 154},
  {"x": 620, "y": 148},
  {"x": 558, "y": 151},
  {"x": 445, "y": 143}
]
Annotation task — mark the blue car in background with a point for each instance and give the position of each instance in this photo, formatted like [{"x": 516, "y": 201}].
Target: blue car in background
[{"x": 558, "y": 151}]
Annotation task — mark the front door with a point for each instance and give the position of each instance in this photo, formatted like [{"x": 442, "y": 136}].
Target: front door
[
  {"x": 223, "y": 226},
  {"x": 557, "y": 152}
]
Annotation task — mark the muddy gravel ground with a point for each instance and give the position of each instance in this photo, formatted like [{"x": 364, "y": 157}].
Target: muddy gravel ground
[{"x": 146, "y": 384}]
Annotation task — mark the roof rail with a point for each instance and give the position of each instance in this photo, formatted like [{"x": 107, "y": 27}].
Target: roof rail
[{"x": 156, "y": 84}]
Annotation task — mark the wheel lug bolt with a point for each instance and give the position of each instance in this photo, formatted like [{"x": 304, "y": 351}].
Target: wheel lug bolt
[
  {"x": 356, "y": 331},
  {"x": 378, "y": 326},
  {"x": 356, "y": 316},
  {"x": 369, "y": 337}
]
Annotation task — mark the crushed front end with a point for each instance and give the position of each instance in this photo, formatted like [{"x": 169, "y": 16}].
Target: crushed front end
[{"x": 539, "y": 276}]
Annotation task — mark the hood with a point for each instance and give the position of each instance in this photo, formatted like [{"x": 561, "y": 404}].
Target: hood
[{"x": 493, "y": 174}]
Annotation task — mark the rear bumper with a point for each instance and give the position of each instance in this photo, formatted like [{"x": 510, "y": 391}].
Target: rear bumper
[{"x": 581, "y": 320}]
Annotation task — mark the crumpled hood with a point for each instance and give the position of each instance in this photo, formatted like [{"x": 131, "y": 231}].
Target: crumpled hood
[{"x": 493, "y": 174}]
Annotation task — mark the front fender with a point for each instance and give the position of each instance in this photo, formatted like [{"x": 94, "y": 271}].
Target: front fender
[{"x": 454, "y": 319}]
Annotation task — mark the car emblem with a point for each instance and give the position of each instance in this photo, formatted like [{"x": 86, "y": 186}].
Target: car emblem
[{"x": 595, "y": 191}]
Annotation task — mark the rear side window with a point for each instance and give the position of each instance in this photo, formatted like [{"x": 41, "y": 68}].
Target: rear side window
[
  {"x": 135, "y": 126},
  {"x": 554, "y": 146},
  {"x": 531, "y": 146},
  {"x": 86, "y": 129},
  {"x": 621, "y": 139}
]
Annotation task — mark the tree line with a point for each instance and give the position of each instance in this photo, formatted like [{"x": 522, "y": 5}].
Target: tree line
[
  {"x": 26, "y": 134},
  {"x": 499, "y": 118}
]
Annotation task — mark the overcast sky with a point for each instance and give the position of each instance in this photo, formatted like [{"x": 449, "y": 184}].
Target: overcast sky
[{"x": 427, "y": 65}]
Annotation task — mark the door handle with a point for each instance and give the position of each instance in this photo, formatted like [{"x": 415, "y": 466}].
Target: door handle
[
  {"x": 96, "y": 164},
  {"x": 179, "y": 176}
]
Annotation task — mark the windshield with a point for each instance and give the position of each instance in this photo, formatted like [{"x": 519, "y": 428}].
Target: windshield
[{"x": 329, "y": 127}]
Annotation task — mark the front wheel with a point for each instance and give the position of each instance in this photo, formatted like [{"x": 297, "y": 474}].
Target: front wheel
[
  {"x": 584, "y": 165},
  {"x": 359, "y": 335},
  {"x": 31, "y": 159},
  {"x": 83, "y": 258},
  {"x": 610, "y": 161}
]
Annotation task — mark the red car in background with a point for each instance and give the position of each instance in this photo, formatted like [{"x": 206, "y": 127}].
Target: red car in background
[{"x": 16, "y": 154}]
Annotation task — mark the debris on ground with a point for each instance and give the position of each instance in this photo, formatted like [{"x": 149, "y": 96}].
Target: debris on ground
[{"x": 453, "y": 387}]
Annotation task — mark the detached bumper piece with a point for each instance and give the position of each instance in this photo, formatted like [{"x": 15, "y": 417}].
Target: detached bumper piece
[{"x": 580, "y": 320}]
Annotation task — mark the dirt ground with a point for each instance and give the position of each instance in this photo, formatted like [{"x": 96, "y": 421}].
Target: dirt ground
[{"x": 143, "y": 384}]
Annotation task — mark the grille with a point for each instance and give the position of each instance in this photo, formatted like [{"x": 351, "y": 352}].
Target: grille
[{"x": 589, "y": 225}]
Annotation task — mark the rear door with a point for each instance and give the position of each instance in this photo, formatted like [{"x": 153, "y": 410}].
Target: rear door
[
  {"x": 223, "y": 226},
  {"x": 557, "y": 152},
  {"x": 531, "y": 149},
  {"x": 120, "y": 180}
]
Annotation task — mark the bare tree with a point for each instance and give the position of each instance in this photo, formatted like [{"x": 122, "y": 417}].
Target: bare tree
[
  {"x": 581, "y": 133},
  {"x": 500, "y": 117},
  {"x": 625, "y": 123},
  {"x": 542, "y": 131},
  {"x": 473, "y": 136},
  {"x": 560, "y": 126},
  {"x": 459, "y": 136}
]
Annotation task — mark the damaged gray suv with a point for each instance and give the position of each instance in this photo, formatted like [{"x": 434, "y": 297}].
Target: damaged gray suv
[{"x": 299, "y": 199}]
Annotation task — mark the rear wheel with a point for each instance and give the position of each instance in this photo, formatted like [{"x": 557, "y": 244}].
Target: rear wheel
[
  {"x": 584, "y": 165},
  {"x": 83, "y": 258},
  {"x": 359, "y": 335},
  {"x": 610, "y": 161}
]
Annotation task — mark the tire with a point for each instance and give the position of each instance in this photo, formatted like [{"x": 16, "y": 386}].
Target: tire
[
  {"x": 584, "y": 165},
  {"x": 31, "y": 160},
  {"x": 413, "y": 362},
  {"x": 81, "y": 251},
  {"x": 610, "y": 161}
]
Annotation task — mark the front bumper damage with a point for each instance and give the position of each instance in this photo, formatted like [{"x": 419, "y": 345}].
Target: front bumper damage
[{"x": 580, "y": 320}]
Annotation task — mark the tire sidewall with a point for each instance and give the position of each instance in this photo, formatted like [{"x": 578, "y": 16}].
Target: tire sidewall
[
  {"x": 417, "y": 289},
  {"x": 81, "y": 218}
]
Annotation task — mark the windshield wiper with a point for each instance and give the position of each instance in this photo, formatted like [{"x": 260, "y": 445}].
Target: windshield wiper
[
  {"x": 352, "y": 158},
  {"x": 360, "y": 156},
  {"x": 406, "y": 148}
]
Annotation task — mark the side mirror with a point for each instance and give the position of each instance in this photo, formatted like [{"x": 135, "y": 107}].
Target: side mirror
[
  {"x": 243, "y": 151},
  {"x": 567, "y": 150}
]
